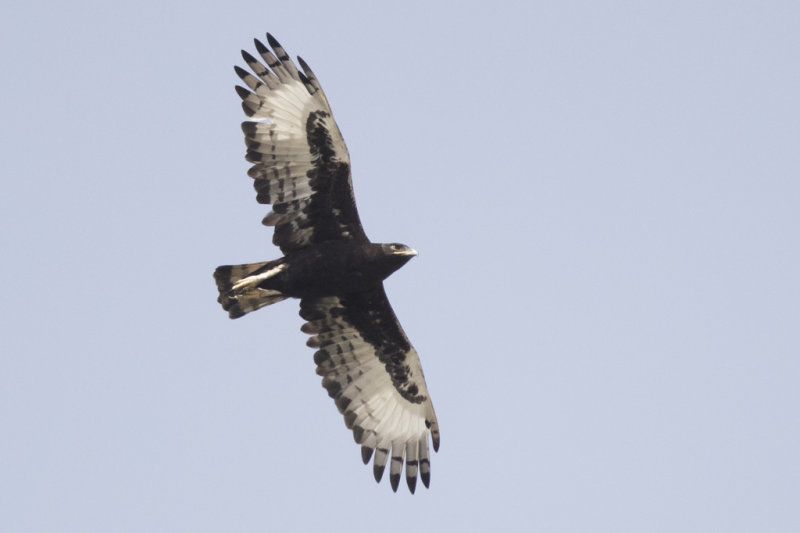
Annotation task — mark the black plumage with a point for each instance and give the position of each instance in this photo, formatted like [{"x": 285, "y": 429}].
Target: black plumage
[{"x": 301, "y": 166}]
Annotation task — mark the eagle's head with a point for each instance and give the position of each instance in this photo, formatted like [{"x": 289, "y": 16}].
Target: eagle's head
[
  {"x": 391, "y": 256},
  {"x": 400, "y": 250}
]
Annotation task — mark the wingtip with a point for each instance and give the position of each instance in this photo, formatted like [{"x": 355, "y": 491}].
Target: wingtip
[
  {"x": 412, "y": 483},
  {"x": 248, "y": 57},
  {"x": 394, "y": 480},
  {"x": 377, "y": 472},
  {"x": 273, "y": 42},
  {"x": 247, "y": 111},
  {"x": 425, "y": 472},
  {"x": 240, "y": 71},
  {"x": 242, "y": 92},
  {"x": 426, "y": 479},
  {"x": 366, "y": 454},
  {"x": 261, "y": 47},
  {"x": 434, "y": 430}
]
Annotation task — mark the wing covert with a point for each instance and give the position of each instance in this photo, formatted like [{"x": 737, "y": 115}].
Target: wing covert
[{"x": 300, "y": 161}]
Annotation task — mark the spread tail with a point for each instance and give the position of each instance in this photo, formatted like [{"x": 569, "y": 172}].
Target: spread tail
[{"x": 238, "y": 285}]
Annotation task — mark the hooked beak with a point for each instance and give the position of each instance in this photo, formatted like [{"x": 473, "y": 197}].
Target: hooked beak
[{"x": 408, "y": 251}]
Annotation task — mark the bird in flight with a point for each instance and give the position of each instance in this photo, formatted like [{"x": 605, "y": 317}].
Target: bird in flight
[{"x": 301, "y": 166}]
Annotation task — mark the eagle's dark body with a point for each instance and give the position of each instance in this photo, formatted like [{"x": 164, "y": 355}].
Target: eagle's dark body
[
  {"x": 301, "y": 167},
  {"x": 331, "y": 268}
]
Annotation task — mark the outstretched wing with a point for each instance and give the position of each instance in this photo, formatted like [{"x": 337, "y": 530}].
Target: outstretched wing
[
  {"x": 373, "y": 373},
  {"x": 300, "y": 162}
]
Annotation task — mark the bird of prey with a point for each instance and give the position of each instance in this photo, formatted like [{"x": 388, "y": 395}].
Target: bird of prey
[{"x": 301, "y": 166}]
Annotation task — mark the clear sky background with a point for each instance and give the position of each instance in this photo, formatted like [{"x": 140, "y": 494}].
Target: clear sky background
[{"x": 606, "y": 201}]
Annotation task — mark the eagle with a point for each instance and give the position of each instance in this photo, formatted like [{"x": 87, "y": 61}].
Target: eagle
[{"x": 301, "y": 167}]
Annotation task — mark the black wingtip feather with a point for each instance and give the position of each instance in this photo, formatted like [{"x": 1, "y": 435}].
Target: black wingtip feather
[
  {"x": 394, "y": 479},
  {"x": 366, "y": 454},
  {"x": 242, "y": 73},
  {"x": 273, "y": 42},
  {"x": 248, "y": 58},
  {"x": 412, "y": 483},
  {"x": 242, "y": 92},
  {"x": 377, "y": 471},
  {"x": 261, "y": 47},
  {"x": 306, "y": 68}
]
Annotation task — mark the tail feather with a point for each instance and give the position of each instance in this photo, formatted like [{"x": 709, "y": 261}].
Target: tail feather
[{"x": 239, "y": 292}]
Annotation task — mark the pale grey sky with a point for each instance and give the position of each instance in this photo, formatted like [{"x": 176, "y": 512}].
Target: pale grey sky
[{"x": 606, "y": 201}]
